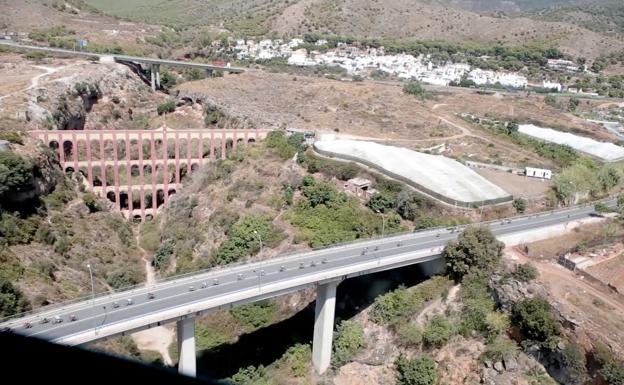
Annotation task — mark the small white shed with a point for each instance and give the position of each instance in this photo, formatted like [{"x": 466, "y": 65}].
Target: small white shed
[{"x": 537, "y": 172}]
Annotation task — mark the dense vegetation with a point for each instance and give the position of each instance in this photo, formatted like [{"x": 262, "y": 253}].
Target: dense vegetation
[
  {"x": 418, "y": 371},
  {"x": 16, "y": 175},
  {"x": 348, "y": 341},
  {"x": 399, "y": 305},
  {"x": 475, "y": 249}
]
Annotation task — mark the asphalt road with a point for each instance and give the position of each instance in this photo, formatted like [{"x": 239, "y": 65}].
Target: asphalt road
[
  {"x": 101, "y": 311},
  {"x": 137, "y": 59}
]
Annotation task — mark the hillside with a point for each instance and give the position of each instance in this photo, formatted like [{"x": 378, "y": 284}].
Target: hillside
[{"x": 401, "y": 19}]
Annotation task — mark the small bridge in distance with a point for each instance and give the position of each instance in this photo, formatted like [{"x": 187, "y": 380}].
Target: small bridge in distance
[{"x": 138, "y": 170}]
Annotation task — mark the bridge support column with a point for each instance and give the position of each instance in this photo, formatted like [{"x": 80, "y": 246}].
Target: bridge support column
[
  {"x": 153, "y": 76},
  {"x": 186, "y": 347},
  {"x": 323, "y": 326},
  {"x": 157, "y": 67}
]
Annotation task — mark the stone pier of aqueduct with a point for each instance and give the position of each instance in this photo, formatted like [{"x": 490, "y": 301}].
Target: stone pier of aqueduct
[{"x": 138, "y": 170}]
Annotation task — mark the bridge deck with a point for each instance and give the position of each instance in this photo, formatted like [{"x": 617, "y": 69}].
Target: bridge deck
[{"x": 224, "y": 288}]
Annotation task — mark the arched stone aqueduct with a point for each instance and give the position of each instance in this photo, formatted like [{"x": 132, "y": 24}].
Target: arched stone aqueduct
[{"x": 139, "y": 169}]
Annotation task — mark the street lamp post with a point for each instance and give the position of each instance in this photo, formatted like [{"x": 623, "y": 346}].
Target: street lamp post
[
  {"x": 92, "y": 287},
  {"x": 259, "y": 240},
  {"x": 383, "y": 222},
  {"x": 92, "y": 295}
]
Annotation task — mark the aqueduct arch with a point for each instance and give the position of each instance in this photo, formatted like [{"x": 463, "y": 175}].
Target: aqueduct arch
[{"x": 122, "y": 164}]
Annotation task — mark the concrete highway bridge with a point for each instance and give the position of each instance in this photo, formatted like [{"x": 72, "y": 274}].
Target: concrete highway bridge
[
  {"x": 139, "y": 169},
  {"x": 153, "y": 63},
  {"x": 181, "y": 299}
]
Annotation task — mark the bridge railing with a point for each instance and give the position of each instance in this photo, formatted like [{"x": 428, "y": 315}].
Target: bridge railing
[{"x": 139, "y": 288}]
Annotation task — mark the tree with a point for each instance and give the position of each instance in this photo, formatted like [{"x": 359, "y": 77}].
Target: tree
[
  {"x": 475, "y": 249},
  {"x": 15, "y": 173},
  {"x": 573, "y": 104},
  {"x": 419, "y": 371},
  {"x": 348, "y": 341},
  {"x": 12, "y": 300},
  {"x": 534, "y": 317},
  {"x": 380, "y": 202},
  {"x": 320, "y": 193},
  {"x": 520, "y": 205}
]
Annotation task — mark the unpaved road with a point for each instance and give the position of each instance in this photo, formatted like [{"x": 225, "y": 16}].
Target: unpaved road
[{"x": 159, "y": 338}]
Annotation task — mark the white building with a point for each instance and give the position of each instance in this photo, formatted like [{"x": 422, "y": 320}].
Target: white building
[
  {"x": 563, "y": 65},
  {"x": 552, "y": 85},
  {"x": 538, "y": 173}
]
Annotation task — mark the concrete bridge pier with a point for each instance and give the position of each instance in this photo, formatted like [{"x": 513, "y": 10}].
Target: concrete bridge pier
[
  {"x": 324, "y": 326},
  {"x": 155, "y": 76},
  {"x": 187, "y": 360}
]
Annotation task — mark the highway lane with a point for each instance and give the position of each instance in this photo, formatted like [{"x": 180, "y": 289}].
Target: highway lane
[{"x": 172, "y": 294}]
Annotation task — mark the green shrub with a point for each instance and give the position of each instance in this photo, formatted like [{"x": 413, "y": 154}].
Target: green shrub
[
  {"x": 166, "y": 108},
  {"x": 500, "y": 348},
  {"x": 410, "y": 335},
  {"x": 475, "y": 249},
  {"x": 250, "y": 376},
  {"x": 601, "y": 208},
  {"x": 161, "y": 258},
  {"x": 381, "y": 202},
  {"x": 12, "y": 137},
  {"x": 478, "y": 303},
  {"x": 403, "y": 303},
  {"x": 123, "y": 278},
  {"x": 45, "y": 234},
  {"x": 520, "y": 205},
  {"x": 419, "y": 371},
  {"x": 246, "y": 237},
  {"x": 15, "y": 230},
  {"x": 575, "y": 363},
  {"x": 12, "y": 301},
  {"x": 297, "y": 359},
  {"x": 395, "y": 304},
  {"x": 416, "y": 89},
  {"x": 255, "y": 315},
  {"x": 613, "y": 373},
  {"x": 150, "y": 236},
  {"x": 525, "y": 272},
  {"x": 285, "y": 147},
  {"x": 534, "y": 317},
  {"x": 62, "y": 245},
  {"x": 348, "y": 341},
  {"x": 550, "y": 100},
  {"x": 91, "y": 201},
  {"x": 438, "y": 332}
]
